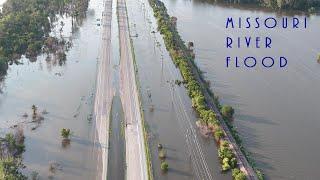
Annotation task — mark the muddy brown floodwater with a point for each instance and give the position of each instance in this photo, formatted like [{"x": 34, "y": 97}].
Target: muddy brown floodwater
[
  {"x": 66, "y": 93},
  {"x": 277, "y": 110}
]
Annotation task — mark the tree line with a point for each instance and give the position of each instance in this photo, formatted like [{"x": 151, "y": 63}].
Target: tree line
[{"x": 304, "y": 5}]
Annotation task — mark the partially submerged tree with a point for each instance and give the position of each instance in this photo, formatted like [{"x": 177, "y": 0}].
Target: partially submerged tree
[
  {"x": 65, "y": 133},
  {"x": 34, "y": 111},
  {"x": 164, "y": 166},
  {"x": 227, "y": 112}
]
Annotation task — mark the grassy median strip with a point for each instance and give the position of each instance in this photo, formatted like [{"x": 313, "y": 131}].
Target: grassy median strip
[{"x": 183, "y": 58}]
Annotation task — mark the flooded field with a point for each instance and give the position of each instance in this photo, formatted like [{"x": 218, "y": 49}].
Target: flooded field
[
  {"x": 276, "y": 109},
  {"x": 63, "y": 94}
]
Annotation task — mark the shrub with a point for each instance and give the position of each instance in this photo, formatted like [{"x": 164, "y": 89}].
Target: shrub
[
  {"x": 164, "y": 166},
  {"x": 237, "y": 174},
  {"x": 65, "y": 133},
  {"x": 260, "y": 175},
  {"x": 218, "y": 134},
  {"x": 233, "y": 162},
  {"x": 10, "y": 170},
  {"x": 225, "y": 152},
  {"x": 226, "y": 167},
  {"x": 227, "y": 112}
]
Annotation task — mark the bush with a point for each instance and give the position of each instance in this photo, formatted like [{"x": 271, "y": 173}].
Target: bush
[
  {"x": 10, "y": 170},
  {"x": 65, "y": 133},
  {"x": 260, "y": 175},
  {"x": 227, "y": 112},
  {"x": 218, "y": 134},
  {"x": 318, "y": 58},
  {"x": 225, "y": 152},
  {"x": 237, "y": 174},
  {"x": 15, "y": 148},
  {"x": 233, "y": 162},
  {"x": 164, "y": 166},
  {"x": 226, "y": 167}
]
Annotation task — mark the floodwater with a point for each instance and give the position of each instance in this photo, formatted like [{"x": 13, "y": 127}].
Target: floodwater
[
  {"x": 66, "y": 93},
  {"x": 170, "y": 118},
  {"x": 117, "y": 151},
  {"x": 116, "y": 168},
  {"x": 277, "y": 110}
]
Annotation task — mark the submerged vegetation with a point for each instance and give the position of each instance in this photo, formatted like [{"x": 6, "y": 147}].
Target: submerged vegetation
[
  {"x": 11, "y": 149},
  {"x": 183, "y": 58},
  {"x": 25, "y": 27},
  {"x": 164, "y": 166},
  {"x": 227, "y": 112},
  {"x": 10, "y": 169},
  {"x": 65, "y": 133}
]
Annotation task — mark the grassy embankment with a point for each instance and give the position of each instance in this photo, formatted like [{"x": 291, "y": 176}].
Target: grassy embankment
[
  {"x": 25, "y": 26},
  {"x": 183, "y": 58}
]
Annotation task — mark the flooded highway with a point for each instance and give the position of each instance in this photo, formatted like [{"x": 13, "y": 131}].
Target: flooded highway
[
  {"x": 167, "y": 107},
  {"x": 117, "y": 167}
]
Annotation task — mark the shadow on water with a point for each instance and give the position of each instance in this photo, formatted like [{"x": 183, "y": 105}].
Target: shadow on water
[{"x": 116, "y": 159}]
